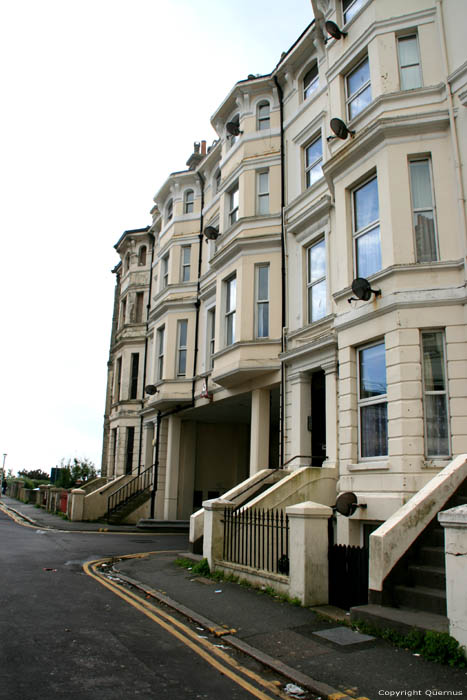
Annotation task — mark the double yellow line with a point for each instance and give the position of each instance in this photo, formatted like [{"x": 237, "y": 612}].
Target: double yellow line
[{"x": 213, "y": 655}]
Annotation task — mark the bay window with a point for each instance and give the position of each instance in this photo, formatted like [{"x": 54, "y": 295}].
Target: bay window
[{"x": 372, "y": 401}]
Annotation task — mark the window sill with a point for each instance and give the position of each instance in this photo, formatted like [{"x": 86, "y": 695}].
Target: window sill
[
  {"x": 436, "y": 462},
  {"x": 368, "y": 466}
]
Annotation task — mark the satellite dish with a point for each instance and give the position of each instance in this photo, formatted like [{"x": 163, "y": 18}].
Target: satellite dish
[
  {"x": 362, "y": 289},
  {"x": 346, "y": 503},
  {"x": 340, "y": 129},
  {"x": 333, "y": 30},
  {"x": 150, "y": 389},
  {"x": 233, "y": 129},
  {"x": 211, "y": 233}
]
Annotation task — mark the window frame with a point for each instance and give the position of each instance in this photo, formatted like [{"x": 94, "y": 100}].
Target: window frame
[
  {"x": 263, "y": 122},
  {"x": 134, "y": 374},
  {"x": 118, "y": 379},
  {"x": 370, "y": 401},
  {"x": 233, "y": 193},
  {"x": 405, "y": 37},
  {"x": 169, "y": 210},
  {"x": 321, "y": 240},
  {"x": 185, "y": 267},
  {"x": 165, "y": 271},
  {"x": 262, "y": 197},
  {"x": 357, "y": 4},
  {"x": 310, "y": 167},
  {"x": 211, "y": 337},
  {"x": 189, "y": 203},
  {"x": 230, "y": 311},
  {"x": 230, "y": 137},
  {"x": 312, "y": 85},
  {"x": 160, "y": 350},
  {"x": 182, "y": 349},
  {"x": 349, "y": 98},
  {"x": 142, "y": 255},
  {"x": 368, "y": 228},
  {"x": 419, "y": 210},
  {"x": 259, "y": 303},
  {"x": 139, "y": 307},
  {"x": 436, "y": 392}
]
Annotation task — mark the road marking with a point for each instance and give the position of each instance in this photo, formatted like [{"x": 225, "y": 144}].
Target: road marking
[{"x": 186, "y": 635}]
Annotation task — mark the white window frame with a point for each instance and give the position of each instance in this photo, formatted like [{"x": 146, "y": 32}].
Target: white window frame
[
  {"x": 416, "y": 211},
  {"x": 211, "y": 337},
  {"x": 165, "y": 271},
  {"x": 312, "y": 85},
  {"x": 263, "y": 121},
  {"x": 370, "y": 401},
  {"x": 360, "y": 233},
  {"x": 170, "y": 209},
  {"x": 262, "y": 197},
  {"x": 234, "y": 200},
  {"x": 436, "y": 392},
  {"x": 260, "y": 303},
  {"x": 189, "y": 202},
  {"x": 182, "y": 347},
  {"x": 160, "y": 349},
  {"x": 314, "y": 282},
  {"x": 353, "y": 8},
  {"x": 313, "y": 166},
  {"x": 406, "y": 37},
  {"x": 352, "y": 97},
  {"x": 185, "y": 264},
  {"x": 230, "y": 311}
]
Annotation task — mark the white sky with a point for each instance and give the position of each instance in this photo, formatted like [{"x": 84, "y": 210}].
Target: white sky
[{"x": 101, "y": 100}]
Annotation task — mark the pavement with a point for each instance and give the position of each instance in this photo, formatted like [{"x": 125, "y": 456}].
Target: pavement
[{"x": 313, "y": 648}]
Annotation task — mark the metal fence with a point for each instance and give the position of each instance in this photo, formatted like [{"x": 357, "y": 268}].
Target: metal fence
[
  {"x": 130, "y": 490},
  {"x": 258, "y": 539}
]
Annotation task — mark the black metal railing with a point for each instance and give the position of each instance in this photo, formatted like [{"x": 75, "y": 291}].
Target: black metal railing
[
  {"x": 130, "y": 490},
  {"x": 257, "y": 538}
]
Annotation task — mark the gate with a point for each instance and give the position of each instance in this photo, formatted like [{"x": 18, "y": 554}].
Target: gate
[
  {"x": 258, "y": 539},
  {"x": 348, "y": 575}
]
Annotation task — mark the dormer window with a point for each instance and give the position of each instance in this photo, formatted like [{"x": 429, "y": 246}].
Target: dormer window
[
  {"x": 170, "y": 209},
  {"x": 263, "y": 116},
  {"x": 310, "y": 81},
  {"x": 189, "y": 202}
]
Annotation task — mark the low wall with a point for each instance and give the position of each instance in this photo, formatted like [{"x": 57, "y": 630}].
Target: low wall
[
  {"x": 93, "y": 506},
  {"x": 454, "y": 522}
]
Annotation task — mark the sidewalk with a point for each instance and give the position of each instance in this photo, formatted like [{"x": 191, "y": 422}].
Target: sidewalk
[
  {"x": 313, "y": 652},
  {"x": 41, "y": 517}
]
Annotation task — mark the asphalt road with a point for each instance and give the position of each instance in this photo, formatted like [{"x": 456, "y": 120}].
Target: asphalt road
[{"x": 63, "y": 635}]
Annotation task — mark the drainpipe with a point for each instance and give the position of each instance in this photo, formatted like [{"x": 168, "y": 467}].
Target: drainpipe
[
  {"x": 283, "y": 270},
  {"x": 151, "y": 235},
  {"x": 161, "y": 415},
  {"x": 454, "y": 140}
]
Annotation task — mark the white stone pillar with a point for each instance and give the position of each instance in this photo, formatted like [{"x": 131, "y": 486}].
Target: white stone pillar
[
  {"x": 259, "y": 439},
  {"x": 148, "y": 445},
  {"x": 299, "y": 435},
  {"x": 77, "y": 504},
  {"x": 213, "y": 541},
  {"x": 172, "y": 469},
  {"x": 308, "y": 555},
  {"x": 454, "y": 522},
  {"x": 330, "y": 376}
]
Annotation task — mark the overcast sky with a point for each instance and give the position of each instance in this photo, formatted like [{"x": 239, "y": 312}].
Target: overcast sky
[{"x": 101, "y": 100}]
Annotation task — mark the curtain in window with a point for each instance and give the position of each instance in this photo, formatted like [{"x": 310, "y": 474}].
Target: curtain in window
[
  {"x": 436, "y": 417},
  {"x": 368, "y": 253}
]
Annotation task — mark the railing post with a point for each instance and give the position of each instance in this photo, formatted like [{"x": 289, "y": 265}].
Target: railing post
[
  {"x": 213, "y": 542},
  {"x": 308, "y": 555},
  {"x": 77, "y": 497},
  {"x": 454, "y": 522}
]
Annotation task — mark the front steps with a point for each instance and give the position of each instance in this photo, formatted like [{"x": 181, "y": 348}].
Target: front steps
[{"x": 414, "y": 593}]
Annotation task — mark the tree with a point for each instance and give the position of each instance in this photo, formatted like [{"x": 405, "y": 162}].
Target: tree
[
  {"x": 76, "y": 470},
  {"x": 34, "y": 474}
]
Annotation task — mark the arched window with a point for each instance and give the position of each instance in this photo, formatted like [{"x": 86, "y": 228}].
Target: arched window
[
  {"x": 170, "y": 209},
  {"x": 142, "y": 255},
  {"x": 189, "y": 202},
  {"x": 127, "y": 262},
  {"x": 310, "y": 81},
  {"x": 263, "y": 116}
]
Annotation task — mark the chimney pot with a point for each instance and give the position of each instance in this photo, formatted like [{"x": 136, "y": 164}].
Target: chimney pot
[{"x": 203, "y": 148}]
